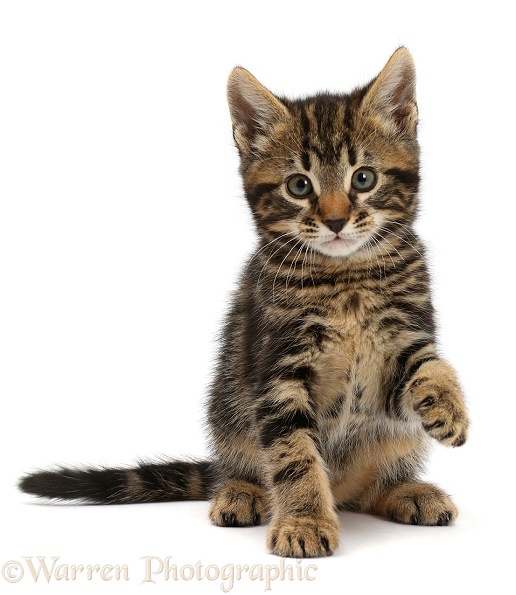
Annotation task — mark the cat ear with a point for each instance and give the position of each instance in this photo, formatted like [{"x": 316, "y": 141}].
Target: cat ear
[
  {"x": 254, "y": 109},
  {"x": 393, "y": 93}
]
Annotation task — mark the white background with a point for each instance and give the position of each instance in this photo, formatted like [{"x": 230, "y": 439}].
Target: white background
[{"x": 122, "y": 230}]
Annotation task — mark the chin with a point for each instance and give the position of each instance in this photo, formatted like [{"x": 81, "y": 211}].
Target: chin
[{"x": 339, "y": 247}]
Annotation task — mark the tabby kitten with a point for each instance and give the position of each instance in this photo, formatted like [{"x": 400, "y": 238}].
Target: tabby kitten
[{"x": 329, "y": 384}]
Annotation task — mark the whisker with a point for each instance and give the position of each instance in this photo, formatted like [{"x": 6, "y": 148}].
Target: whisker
[
  {"x": 303, "y": 267},
  {"x": 312, "y": 263},
  {"x": 271, "y": 255},
  {"x": 403, "y": 239},
  {"x": 390, "y": 244},
  {"x": 380, "y": 247},
  {"x": 369, "y": 252},
  {"x": 268, "y": 244},
  {"x": 293, "y": 263},
  {"x": 281, "y": 264}
]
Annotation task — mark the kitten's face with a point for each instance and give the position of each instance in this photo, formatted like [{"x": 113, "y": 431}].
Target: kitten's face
[
  {"x": 333, "y": 171},
  {"x": 335, "y": 185}
]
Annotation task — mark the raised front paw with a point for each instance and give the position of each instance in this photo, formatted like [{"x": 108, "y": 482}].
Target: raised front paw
[
  {"x": 303, "y": 537},
  {"x": 434, "y": 394}
]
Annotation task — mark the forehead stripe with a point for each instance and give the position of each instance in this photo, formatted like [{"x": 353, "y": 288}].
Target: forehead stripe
[{"x": 305, "y": 122}]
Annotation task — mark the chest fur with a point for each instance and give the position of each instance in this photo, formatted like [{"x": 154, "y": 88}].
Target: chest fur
[{"x": 352, "y": 366}]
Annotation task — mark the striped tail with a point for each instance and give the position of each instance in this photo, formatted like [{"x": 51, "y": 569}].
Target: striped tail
[{"x": 149, "y": 482}]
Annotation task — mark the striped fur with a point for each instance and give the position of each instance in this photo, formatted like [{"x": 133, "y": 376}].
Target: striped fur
[{"x": 329, "y": 384}]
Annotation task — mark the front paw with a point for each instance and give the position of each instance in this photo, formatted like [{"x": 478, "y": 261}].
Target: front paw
[
  {"x": 434, "y": 394},
  {"x": 303, "y": 537}
]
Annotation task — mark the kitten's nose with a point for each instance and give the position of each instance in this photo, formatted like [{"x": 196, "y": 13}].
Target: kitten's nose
[{"x": 335, "y": 224}]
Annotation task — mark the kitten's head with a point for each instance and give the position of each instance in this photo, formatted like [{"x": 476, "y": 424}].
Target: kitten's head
[{"x": 331, "y": 170}]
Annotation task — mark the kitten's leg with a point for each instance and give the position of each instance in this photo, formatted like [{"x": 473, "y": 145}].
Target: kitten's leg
[
  {"x": 366, "y": 483},
  {"x": 304, "y": 522},
  {"x": 415, "y": 503},
  {"x": 239, "y": 503},
  {"x": 433, "y": 396}
]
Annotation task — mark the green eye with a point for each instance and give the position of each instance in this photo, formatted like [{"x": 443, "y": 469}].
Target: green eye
[
  {"x": 364, "y": 179},
  {"x": 299, "y": 186}
]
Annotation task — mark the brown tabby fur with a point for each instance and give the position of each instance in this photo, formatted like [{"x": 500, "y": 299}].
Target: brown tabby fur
[{"x": 329, "y": 384}]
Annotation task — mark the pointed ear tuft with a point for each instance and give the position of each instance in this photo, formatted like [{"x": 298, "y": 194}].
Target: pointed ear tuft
[
  {"x": 393, "y": 93},
  {"x": 254, "y": 109}
]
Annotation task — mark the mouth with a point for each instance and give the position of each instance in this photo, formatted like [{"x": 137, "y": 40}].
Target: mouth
[
  {"x": 338, "y": 246},
  {"x": 338, "y": 241}
]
